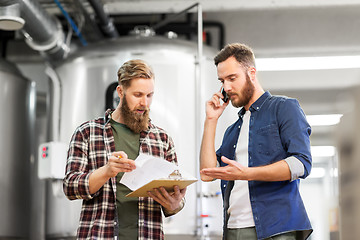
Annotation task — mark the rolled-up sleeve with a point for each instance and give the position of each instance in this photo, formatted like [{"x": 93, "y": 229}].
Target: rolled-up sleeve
[
  {"x": 295, "y": 136},
  {"x": 296, "y": 167}
]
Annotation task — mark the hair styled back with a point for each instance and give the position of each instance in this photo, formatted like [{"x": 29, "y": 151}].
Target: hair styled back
[
  {"x": 133, "y": 69},
  {"x": 242, "y": 53}
]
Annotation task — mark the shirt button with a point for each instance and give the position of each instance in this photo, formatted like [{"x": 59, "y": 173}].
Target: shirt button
[
  {"x": 224, "y": 185},
  {"x": 238, "y": 126},
  {"x": 234, "y": 146},
  {"x": 257, "y": 108}
]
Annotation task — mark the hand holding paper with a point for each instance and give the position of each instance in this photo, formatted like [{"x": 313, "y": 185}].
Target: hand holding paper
[{"x": 153, "y": 172}]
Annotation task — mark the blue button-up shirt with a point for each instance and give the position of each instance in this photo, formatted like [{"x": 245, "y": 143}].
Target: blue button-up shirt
[{"x": 277, "y": 130}]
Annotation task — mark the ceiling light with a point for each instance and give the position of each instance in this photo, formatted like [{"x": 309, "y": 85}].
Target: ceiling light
[
  {"x": 334, "y": 172},
  {"x": 322, "y": 151},
  {"x": 307, "y": 63},
  {"x": 317, "y": 173},
  {"x": 323, "y": 120}
]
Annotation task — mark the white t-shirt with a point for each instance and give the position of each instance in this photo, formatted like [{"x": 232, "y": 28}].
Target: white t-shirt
[{"x": 240, "y": 211}]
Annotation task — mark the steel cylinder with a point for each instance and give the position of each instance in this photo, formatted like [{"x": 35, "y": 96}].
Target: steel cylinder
[{"x": 16, "y": 127}]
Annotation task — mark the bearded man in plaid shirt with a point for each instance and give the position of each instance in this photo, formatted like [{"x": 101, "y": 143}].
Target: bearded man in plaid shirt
[{"x": 101, "y": 150}]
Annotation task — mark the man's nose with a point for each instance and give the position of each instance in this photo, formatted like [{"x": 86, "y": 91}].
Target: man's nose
[
  {"x": 144, "y": 101},
  {"x": 226, "y": 86}
]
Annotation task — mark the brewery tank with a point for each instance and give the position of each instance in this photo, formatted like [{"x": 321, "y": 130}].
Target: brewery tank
[
  {"x": 88, "y": 80},
  {"x": 16, "y": 126}
]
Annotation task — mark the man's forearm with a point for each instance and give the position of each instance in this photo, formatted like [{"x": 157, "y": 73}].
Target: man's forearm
[
  {"x": 207, "y": 151},
  {"x": 97, "y": 179},
  {"x": 278, "y": 171}
]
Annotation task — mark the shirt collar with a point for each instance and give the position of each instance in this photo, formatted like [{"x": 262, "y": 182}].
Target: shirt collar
[
  {"x": 256, "y": 106},
  {"x": 108, "y": 115}
]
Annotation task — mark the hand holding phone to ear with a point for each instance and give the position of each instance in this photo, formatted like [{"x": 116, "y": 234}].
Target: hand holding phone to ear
[
  {"x": 214, "y": 108},
  {"x": 225, "y": 96}
]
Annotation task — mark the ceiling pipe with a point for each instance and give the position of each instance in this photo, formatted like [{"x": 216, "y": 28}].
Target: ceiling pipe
[
  {"x": 42, "y": 31},
  {"x": 91, "y": 29},
  {"x": 106, "y": 25}
]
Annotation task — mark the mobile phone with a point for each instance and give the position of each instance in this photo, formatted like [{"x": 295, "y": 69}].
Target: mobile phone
[{"x": 226, "y": 97}]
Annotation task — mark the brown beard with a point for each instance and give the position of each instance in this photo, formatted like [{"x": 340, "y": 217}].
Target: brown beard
[
  {"x": 135, "y": 121},
  {"x": 246, "y": 94}
]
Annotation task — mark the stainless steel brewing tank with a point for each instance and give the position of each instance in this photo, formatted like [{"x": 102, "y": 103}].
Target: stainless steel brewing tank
[
  {"x": 15, "y": 147},
  {"x": 178, "y": 104},
  {"x": 87, "y": 75}
]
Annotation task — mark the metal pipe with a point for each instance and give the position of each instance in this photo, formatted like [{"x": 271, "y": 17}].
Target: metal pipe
[
  {"x": 105, "y": 22},
  {"x": 198, "y": 97},
  {"x": 54, "y": 130},
  {"x": 172, "y": 18},
  {"x": 96, "y": 34},
  {"x": 71, "y": 22},
  {"x": 43, "y": 32}
]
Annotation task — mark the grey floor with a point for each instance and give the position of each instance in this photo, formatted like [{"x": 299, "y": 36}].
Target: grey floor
[{"x": 190, "y": 237}]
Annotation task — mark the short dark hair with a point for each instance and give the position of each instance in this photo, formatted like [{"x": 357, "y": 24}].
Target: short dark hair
[
  {"x": 134, "y": 69},
  {"x": 242, "y": 53}
]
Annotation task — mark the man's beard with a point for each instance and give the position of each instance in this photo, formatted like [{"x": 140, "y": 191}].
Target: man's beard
[
  {"x": 133, "y": 120},
  {"x": 246, "y": 94}
]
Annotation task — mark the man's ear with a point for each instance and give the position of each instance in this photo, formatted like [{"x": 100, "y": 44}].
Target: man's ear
[
  {"x": 252, "y": 73},
  {"x": 120, "y": 91}
]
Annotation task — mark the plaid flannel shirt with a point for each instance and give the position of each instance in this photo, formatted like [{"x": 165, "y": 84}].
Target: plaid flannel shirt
[{"x": 90, "y": 147}]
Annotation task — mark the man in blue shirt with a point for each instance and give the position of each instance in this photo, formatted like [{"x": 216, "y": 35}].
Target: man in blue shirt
[{"x": 262, "y": 155}]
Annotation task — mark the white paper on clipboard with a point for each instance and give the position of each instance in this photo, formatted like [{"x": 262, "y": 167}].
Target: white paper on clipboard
[{"x": 155, "y": 170}]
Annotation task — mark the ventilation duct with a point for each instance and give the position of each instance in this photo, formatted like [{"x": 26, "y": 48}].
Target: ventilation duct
[{"x": 43, "y": 32}]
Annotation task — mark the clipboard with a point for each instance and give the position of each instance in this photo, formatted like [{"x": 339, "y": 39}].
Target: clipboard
[{"x": 168, "y": 184}]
